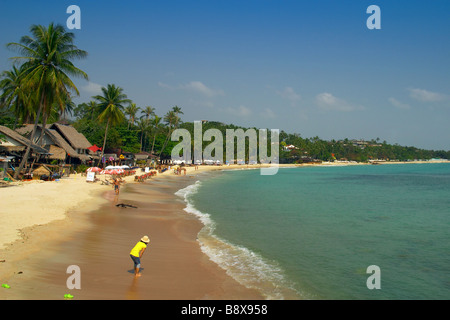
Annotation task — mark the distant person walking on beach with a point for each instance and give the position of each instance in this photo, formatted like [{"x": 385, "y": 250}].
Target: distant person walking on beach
[
  {"x": 116, "y": 186},
  {"x": 137, "y": 252}
]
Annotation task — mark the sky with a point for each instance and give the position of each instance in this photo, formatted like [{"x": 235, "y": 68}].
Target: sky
[{"x": 307, "y": 67}]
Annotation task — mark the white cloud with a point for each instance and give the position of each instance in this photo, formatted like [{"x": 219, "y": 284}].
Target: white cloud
[
  {"x": 92, "y": 88},
  {"x": 164, "y": 85},
  {"x": 199, "y": 87},
  {"x": 268, "y": 114},
  {"x": 426, "y": 96},
  {"x": 242, "y": 111},
  {"x": 399, "y": 104},
  {"x": 194, "y": 86},
  {"x": 326, "y": 101},
  {"x": 289, "y": 94},
  {"x": 208, "y": 104}
]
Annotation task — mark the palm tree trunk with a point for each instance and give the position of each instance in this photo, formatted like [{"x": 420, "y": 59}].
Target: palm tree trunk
[
  {"x": 104, "y": 144},
  {"x": 165, "y": 144},
  {"x": 154, "y": 138},
  {"x": 40, "y": 141},
  {"x": 24, "y": 161}
]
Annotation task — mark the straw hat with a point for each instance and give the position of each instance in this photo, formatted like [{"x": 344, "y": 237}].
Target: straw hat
[{"x": 145, "y": 239}]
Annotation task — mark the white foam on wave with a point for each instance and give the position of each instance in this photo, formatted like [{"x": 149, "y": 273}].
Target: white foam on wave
[
  {"x": 242, "y": 264},
  {"x": 185, "y": 193}
]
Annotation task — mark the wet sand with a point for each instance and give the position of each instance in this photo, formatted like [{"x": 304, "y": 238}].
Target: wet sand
[{"x": 99, "y": 242}]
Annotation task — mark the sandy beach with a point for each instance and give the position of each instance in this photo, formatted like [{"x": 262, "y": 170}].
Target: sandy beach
[
  {"x": 48, "y": 226},
  {"x": 45, "y": 227}
]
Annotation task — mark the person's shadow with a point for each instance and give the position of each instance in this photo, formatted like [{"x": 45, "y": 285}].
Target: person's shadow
[{"x": 132, "y": 270}]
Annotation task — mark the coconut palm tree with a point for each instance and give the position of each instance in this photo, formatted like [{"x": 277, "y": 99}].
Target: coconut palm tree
[
  {"x": 47, "y": 57},
  {"x": 69, "y": 107},
  {"x": 92, "y": 109},
  {"x": 172, "y": 120},
  {"x": 131, "y": 111},
  {"x": 14, "y": 97},
  {"x": 147, "y": 112},
  {"x": 143, "y": 126},
  {"x": 177, "y": 110},
  {"x": 156, "y": 127},
  {"x": 111, "y": 108}
]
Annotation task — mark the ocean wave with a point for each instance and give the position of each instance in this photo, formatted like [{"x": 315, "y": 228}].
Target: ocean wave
[{"x": 242, "y": 264}]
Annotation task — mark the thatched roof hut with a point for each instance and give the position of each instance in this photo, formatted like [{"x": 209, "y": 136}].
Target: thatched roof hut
[
  {"x": 58, "y": 136},
  {"x": 76, "y": 139},
  {"x": 16, "y": 142},
  {"x": 42, "y": 170},
  {"x": 57, "y": 153}
]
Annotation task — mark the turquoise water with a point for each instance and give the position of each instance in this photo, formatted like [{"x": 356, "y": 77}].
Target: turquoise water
[{"x": 312, "y": 232}]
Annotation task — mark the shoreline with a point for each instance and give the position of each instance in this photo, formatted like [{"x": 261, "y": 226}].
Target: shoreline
[
  {"x": 36, "y": 244},
  {"x": 67, "y": 219}
]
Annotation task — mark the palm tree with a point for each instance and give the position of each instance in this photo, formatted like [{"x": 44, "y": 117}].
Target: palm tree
[
  {"x": 47, "y": 56},
  {"x": 177, "y": 110},
  {"x": 147, "y": 112},
  {"x": 143, "y": 125},
  {"x": 92, "y": 109},
  {"x": 69, "y": 107},
  {"x": 157, "y": 126},
  {"x": 172, "y": 120},
  {"x": 131, "y": 111},
  {"x": 14, "y": 97},
  {"x": 111, "y": 106}
]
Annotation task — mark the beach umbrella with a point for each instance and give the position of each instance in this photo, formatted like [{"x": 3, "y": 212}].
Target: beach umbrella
[
  {"x": 94, "y": 148},
  {"x": 112, "y": 167},
  {"x": 116, "y": 171},
  {"x": 94, "y": 169}
]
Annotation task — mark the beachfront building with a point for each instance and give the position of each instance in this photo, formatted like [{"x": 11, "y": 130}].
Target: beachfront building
[
  {"x": 120, "y": 157},
  {"x": 63, "y": 143},
  {"x": 4, "y": 166},
  {"x": 13, "y": 146},
  {"x": 290, "y": 147},
  {"x": 148, "y": 157},
  {"x": 77, "y": 141}
]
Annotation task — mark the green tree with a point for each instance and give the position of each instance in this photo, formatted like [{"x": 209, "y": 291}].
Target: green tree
[
  {"x": 47, "y": 57},
  {"x": 147, "y": 112},
  {"x": 156, "y": 128},
  {"x": 143, "y": 126},
  {"x": 172, "y": 120},
  {"x": 111, "y": 107},
  {"x": 131, "y": 111},
  {"x": 14, "y": 97}
]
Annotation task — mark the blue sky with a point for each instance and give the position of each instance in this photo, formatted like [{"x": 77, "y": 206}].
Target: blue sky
[{"x": 310, "y": 67}]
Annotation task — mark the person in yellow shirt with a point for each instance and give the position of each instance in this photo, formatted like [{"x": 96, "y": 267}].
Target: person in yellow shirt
[{"x": 137, "y": 252}]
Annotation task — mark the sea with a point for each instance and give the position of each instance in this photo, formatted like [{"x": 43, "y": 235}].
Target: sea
[{"x": 364, "y": 232}]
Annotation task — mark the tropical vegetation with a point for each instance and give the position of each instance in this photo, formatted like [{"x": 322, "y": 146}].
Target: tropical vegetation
[{"x": 40, "y": 83}]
